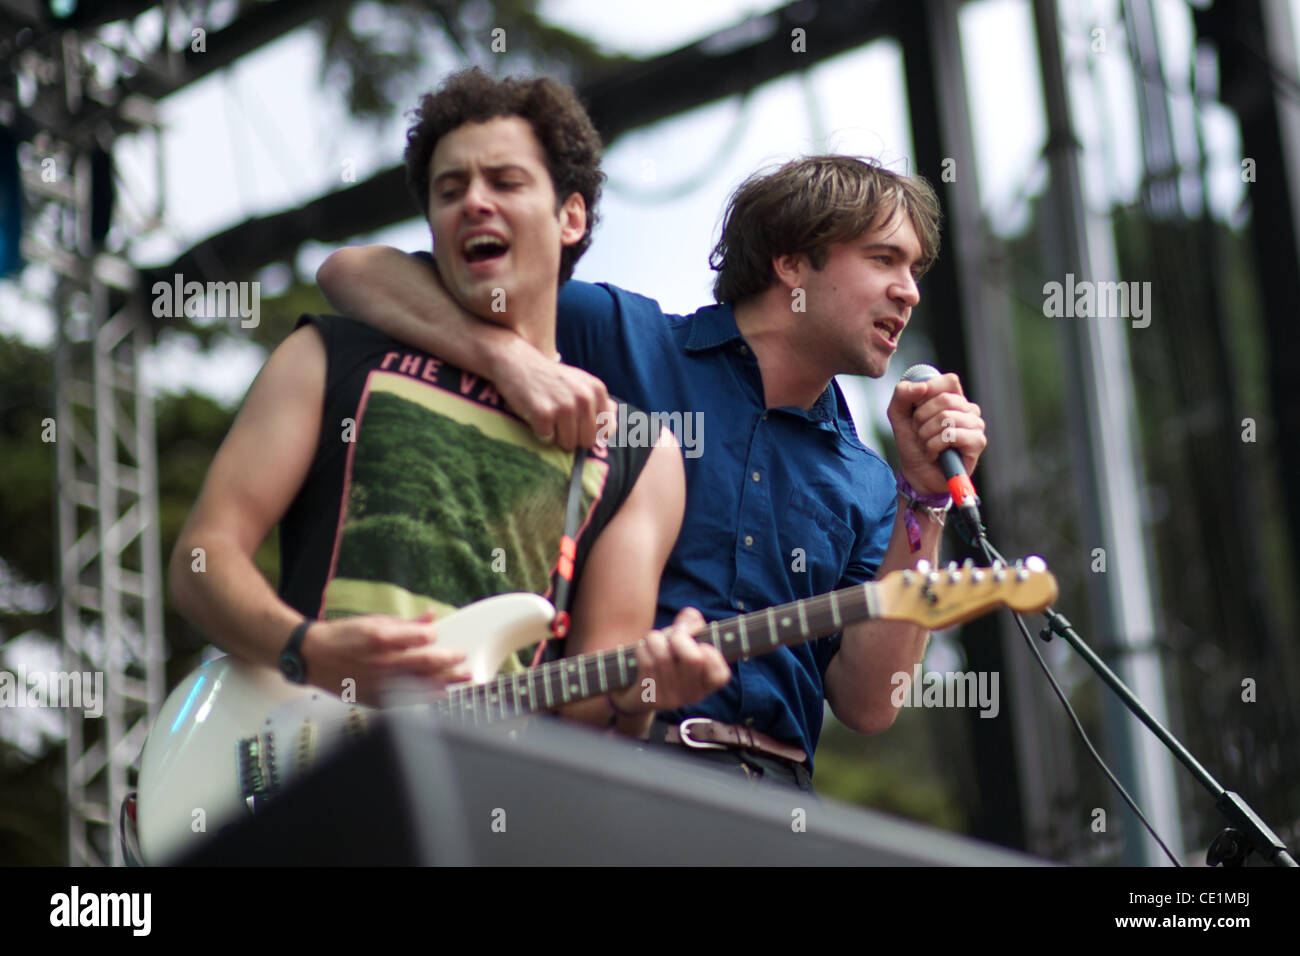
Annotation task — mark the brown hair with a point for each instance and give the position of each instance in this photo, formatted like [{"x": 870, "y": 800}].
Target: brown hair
[
  {"x": 559, "y": 121},
  {"x": 804, "y": 207}
]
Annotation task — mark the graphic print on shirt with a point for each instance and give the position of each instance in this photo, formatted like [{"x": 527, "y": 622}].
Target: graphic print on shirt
[{"x": 446, "y": 500}]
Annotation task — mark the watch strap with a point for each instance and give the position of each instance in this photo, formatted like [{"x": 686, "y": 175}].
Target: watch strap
[{"x": 292, "y": 664}]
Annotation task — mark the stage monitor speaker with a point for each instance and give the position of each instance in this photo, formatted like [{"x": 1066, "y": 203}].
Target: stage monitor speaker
[{"x": 417, "y": 792}]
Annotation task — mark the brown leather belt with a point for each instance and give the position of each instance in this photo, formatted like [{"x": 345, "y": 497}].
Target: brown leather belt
[{"x": 703, "y": 733}]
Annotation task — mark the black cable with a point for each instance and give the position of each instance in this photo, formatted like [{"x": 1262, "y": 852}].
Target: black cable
[{"x": 991, "y": 555}]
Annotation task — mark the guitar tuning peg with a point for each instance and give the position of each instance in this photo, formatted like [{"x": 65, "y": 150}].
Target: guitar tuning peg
[
  {"x": 1035, "y": 563},
  {"x": 953, "y": 574},
  {"x": 968, "y": 564},
  {"x": 908, "y": 577},
  {"x": 923, "y": 567},
  {"x": 976, "y": 575},
  {"x": 998, "y": 564},
  {"x": 999, "y": 572},
  {"x": 1021, "y": 573}
]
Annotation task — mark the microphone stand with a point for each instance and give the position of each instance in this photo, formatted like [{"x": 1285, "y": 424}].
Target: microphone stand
[{"x": 1245, "y": 832}]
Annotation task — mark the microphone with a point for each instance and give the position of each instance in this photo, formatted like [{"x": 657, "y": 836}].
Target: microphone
[{"x": 964, "y": 500}]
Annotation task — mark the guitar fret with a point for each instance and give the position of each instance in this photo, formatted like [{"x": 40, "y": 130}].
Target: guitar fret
[
  {"x": 772, "y": 629},
  {"x": 872, "y": 601},
  {"x": 582, "y": 674},
  {"x": 744, "y": 636},
  {"x": 600, "y": 668},
  {"x": 501, "y": 695},
  {"x": 803, "y": 619},
  {"x": 514, "y": 692},
  {"x": 713, "y": 636},
  {"x": 546, "y": 682},
  {"x": 622, "y": 668},
  {"x": 835, "y": 611},
  {"x": 632, "y": 668}
]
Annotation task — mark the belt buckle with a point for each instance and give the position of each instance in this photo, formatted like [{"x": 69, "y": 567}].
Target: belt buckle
[{"x": 684, "y": 730}]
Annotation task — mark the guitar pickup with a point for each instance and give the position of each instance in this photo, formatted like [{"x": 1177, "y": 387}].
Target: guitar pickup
[{"x": 255, "y": 766}]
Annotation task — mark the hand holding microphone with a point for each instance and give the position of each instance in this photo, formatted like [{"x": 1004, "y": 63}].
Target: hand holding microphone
[{"x": 940, "y": 435}]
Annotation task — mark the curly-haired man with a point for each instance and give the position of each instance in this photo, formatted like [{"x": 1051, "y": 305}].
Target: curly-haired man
[{"x": 406, "y": 487}]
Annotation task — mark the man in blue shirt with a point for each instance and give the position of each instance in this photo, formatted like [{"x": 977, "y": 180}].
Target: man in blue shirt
[{"x": 818, "y": 266}]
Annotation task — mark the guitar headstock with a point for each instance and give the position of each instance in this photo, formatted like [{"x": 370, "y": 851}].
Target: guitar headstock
[{"x": 940, "y": 598}]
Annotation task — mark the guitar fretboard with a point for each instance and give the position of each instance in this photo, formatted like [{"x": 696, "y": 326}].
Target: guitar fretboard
[{"x": 597, "y": 673}]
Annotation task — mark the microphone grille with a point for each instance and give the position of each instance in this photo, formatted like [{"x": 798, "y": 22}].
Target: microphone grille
[{"x": 920, "y": 373}]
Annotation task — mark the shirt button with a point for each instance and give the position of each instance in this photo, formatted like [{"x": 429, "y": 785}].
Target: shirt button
[
  {"x": 764, "y": 418},
  {"x": 740, "y": 605},
  {"x": 754, "y": 476},
  {"x": 744, "y": 349},
  {"x": 749, "y": 540},
  {"x": 749, "y": 721}
]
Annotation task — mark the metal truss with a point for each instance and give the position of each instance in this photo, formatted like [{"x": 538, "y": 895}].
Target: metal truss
[
  {"x": 76, "y": 84},
  {"x": 110, "y": 571}
]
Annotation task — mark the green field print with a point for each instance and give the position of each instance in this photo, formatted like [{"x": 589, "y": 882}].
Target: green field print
[{"x": 448, "y": 502}]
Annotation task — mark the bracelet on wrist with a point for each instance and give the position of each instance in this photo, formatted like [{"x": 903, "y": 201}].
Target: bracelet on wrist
[{"x": 936, "y": 506}]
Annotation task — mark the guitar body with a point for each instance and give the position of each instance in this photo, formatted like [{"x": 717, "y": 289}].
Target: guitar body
[{"x": 232, "y": 727}]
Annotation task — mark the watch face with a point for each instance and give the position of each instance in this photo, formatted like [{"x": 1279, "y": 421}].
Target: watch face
[{"x": 291, "y": 668}]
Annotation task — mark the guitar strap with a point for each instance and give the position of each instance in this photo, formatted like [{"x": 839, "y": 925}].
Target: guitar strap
[{"x": 568, "y": 552}]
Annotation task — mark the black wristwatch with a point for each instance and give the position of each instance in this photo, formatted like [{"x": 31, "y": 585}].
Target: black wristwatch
[{"x": 292, "y": 666}]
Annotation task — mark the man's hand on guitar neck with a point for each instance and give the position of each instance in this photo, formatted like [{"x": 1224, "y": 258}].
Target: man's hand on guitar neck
[
  {"x": 673, "y": 670},
  {"x": 373, "y": 648}
]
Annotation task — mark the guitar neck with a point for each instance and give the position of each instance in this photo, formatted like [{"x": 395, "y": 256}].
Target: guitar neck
[{"x": 597, "y": 673}]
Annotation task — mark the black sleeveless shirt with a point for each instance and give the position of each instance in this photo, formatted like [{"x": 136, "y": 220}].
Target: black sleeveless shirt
[{"x": 426, "y": 490}]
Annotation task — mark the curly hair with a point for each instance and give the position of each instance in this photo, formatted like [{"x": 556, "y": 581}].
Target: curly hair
[
  {"x": 559, "y": 121},
  {"x": 806, "y": 206}
]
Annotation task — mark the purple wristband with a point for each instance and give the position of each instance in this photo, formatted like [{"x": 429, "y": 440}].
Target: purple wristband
[{"x": 931, "y": 502}]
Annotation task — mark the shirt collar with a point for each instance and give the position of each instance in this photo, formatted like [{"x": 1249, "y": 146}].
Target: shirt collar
[
  {"x": 715, "y": 325},
  {"x": 831, "y": 413},
  {"x": 712, "y": 326}
]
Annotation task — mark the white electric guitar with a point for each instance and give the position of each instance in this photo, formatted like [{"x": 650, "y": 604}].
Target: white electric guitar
[{"x": 233, "y": 734}]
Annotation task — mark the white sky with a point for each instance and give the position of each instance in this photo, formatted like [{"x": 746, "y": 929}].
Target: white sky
[{"x": 264, "y": 136}]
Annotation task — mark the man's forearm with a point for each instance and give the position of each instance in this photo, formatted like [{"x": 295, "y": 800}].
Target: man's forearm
[
  {"x": 872, "y": 652},
  {"x": 221, "y": 592},
  {"x": 403, "y": 297}
]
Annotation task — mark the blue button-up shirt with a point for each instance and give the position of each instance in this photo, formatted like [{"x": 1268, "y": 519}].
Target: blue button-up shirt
[{"x": 781, "y": 503}]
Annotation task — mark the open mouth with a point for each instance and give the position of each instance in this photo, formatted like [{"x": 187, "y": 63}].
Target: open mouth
[
  {"x": 484, "y": 248},
  {"x": 890, "y": 328}
]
